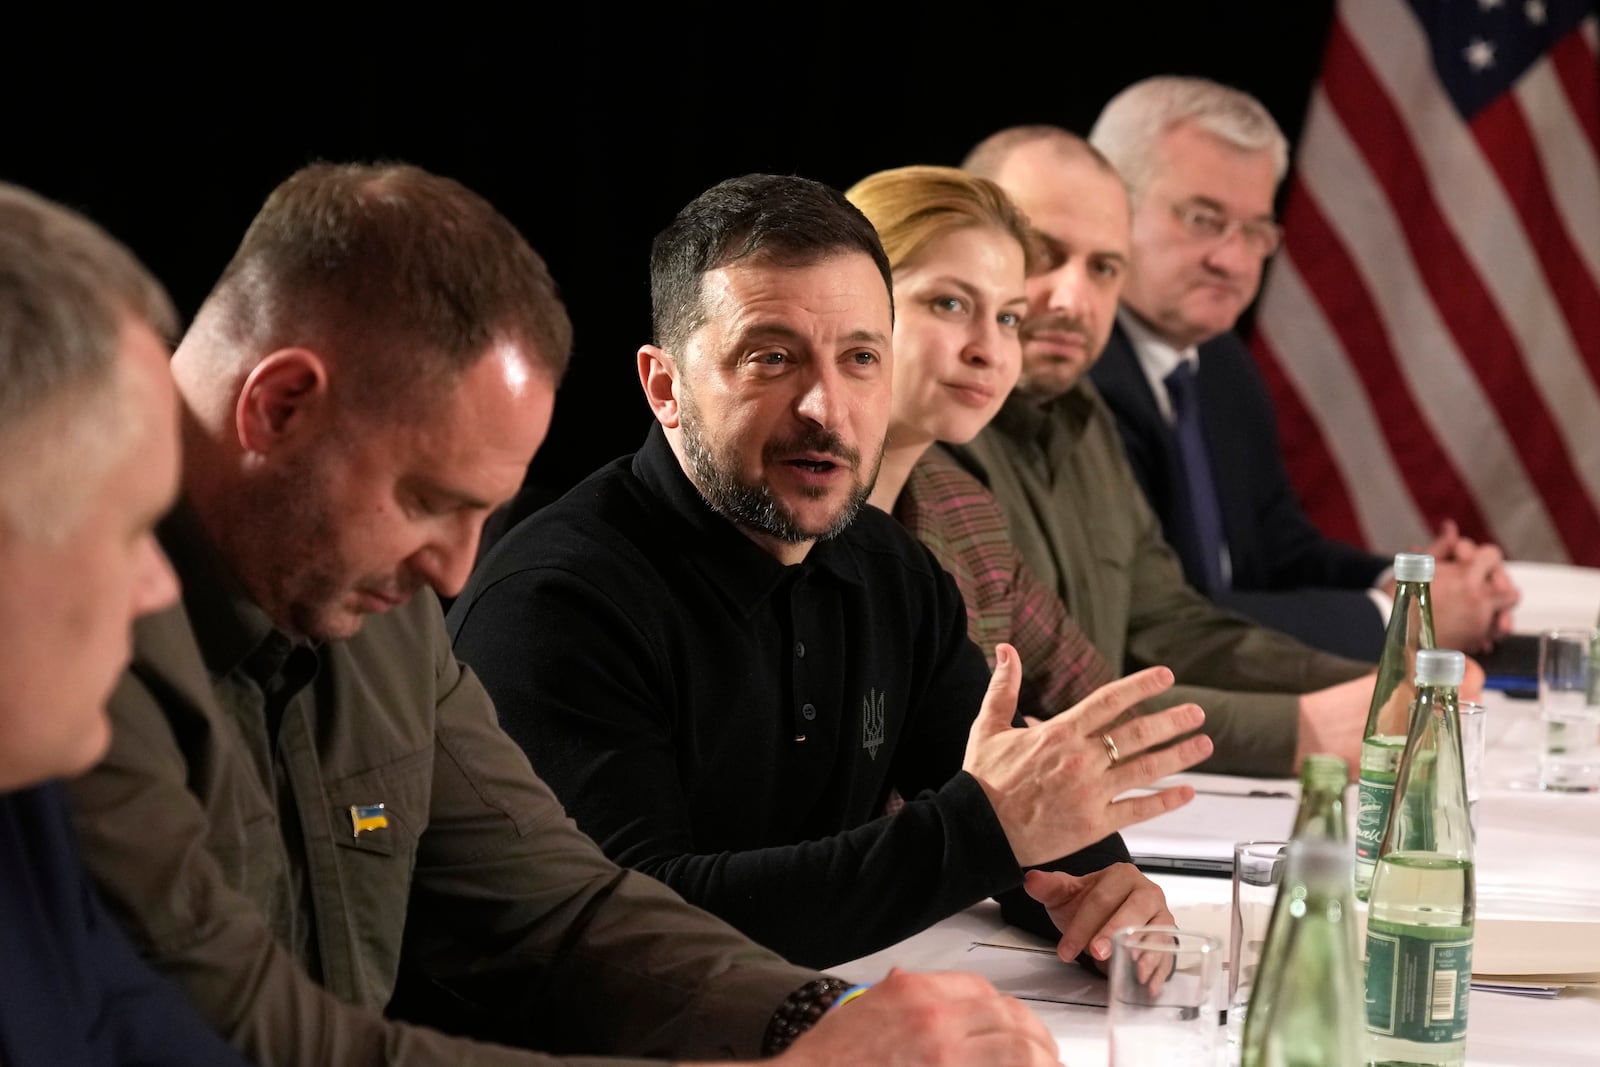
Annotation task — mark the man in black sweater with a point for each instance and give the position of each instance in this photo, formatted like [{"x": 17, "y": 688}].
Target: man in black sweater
[{"x": 726, "y": 668}]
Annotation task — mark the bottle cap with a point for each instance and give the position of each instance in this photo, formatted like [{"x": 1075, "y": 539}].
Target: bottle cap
[
  {"x": 1413, "y": 567},
  {"x": 1440, "y": 666},
  {"x": 1324, "y": 770}
]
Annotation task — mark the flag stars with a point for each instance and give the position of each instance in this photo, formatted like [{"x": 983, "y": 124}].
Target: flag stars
[
  {"x": 1534, "y": 11},
  {"x": 1479, "y": 54}
]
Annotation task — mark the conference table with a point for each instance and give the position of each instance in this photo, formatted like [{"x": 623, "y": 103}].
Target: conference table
[{"x": 1538, "y": 868}]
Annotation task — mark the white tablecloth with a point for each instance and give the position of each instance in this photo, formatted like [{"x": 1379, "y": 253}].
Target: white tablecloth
[
  {"x": 1554, "y": 594},
  {"x": 1538, "y": 857}
]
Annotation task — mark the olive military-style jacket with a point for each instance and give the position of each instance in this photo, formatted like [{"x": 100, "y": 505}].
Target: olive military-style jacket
[
  {"x": 309, "y": 836},
  {"x": 1079, "y": 518}
]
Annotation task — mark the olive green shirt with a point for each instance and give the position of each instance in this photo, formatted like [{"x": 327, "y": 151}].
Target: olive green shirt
[
  {"x": 1080, "y": 520},
  {"x": 235, "y": 828}
]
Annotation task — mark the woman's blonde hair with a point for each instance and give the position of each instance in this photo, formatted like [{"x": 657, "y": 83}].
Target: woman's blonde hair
[{"x": 912, "y": 206}]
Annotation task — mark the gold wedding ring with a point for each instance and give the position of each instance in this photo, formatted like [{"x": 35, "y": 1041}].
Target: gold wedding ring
[{"x": 1111, "y": 748}]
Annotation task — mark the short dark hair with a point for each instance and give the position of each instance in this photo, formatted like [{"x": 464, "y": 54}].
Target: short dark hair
[
  {"x": 411, "y": 274},
  {"x": 781, "y": 218}
]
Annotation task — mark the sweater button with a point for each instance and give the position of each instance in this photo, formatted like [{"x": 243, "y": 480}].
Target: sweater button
[
  {"x": 808, "y": 711},
  {"x": 800, "y": 650}
]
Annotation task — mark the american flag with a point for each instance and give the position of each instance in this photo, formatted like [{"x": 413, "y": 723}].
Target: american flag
[{"x": 1430, "y": 329}]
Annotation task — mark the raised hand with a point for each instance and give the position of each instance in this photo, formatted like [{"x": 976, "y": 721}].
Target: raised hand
[{"x": 1054, "y": 786}]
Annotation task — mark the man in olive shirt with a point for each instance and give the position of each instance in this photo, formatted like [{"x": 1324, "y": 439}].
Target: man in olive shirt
[
  {"x": 1053, "y": 458},
  {"x": 309, "y": 814}
]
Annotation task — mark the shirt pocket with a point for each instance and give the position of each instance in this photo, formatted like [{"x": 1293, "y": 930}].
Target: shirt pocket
[
  {"x": 382, "y": 811},
  {"x": 377, "y": 818}
]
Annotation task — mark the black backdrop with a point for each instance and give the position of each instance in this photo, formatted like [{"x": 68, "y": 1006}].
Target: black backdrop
[{"x": 588, "y": 125}]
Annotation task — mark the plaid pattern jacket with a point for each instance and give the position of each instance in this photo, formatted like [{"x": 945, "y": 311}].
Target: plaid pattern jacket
[{"x": 961, "y": 523}]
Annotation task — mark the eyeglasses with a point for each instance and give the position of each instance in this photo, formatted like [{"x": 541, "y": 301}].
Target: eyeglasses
[{"x": 1261, "y": 236}]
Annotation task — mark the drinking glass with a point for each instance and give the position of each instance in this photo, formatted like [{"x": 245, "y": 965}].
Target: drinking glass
[
  {"x": 1569, "y": 710},
  {"x": 1473, "y": 724},
  {"x": 1257, "y": 867},
  {"x": 1164, "y": 994}
]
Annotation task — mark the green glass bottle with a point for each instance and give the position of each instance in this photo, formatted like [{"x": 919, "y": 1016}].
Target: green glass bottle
[
  {"x": 1306, "y": 1007},
  {"x": 1410, "y": 629},
  {"x": 1421, "y": 905},
  {"x": 1320, "y": 816},
  {"x": 1323, "y": 780}
]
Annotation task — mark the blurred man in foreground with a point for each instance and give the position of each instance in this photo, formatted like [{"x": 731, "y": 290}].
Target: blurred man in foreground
[{"x": 88, "y": 463}]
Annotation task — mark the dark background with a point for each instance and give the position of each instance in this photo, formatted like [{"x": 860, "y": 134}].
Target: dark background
[{"x": 587, "y": 126}]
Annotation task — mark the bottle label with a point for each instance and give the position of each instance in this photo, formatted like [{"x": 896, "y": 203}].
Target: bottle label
[
  {"x": 1374, "y": 795},
  {"x": 1417, "y": 981}
]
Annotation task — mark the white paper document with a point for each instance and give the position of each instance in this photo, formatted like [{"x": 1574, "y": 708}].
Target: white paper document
[
  {"x": 1199, "y": 838},
  {"x": 1018, "y": 965}
]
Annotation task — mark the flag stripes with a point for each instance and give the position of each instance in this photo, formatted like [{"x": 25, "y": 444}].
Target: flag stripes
[{"x": 1430, "y": 330}]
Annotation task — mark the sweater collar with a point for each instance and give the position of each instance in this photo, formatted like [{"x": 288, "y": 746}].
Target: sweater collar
[{"x": 729, "y": 560}]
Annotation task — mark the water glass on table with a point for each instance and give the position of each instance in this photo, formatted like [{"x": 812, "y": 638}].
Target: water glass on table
[
  {"x": 1257, "y": 868},
  {"x": 1473, "y": 719},
  {"x": 1165, "y": 988},
  {"x": 1569, "y": 710}
]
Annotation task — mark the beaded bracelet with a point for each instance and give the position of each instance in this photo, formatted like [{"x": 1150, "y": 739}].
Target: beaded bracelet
[{"x": 801, "y": 1009}]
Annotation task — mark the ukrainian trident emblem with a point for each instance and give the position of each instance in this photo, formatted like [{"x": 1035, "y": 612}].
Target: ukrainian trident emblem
[{"x": 872, "y": 722}]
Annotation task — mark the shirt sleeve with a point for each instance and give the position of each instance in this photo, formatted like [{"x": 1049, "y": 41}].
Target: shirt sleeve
[{"x": 1246, "y": 677}]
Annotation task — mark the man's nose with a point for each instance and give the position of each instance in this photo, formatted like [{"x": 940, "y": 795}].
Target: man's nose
[
  {"x": 446, "y": 561},
  {"x": 819, "y": 400},
  {"x": 1066, "y": 290}
]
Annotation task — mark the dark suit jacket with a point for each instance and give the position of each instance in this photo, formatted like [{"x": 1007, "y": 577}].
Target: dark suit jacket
[
  {"x": 1286, "y": 574},
  {"x": 72, "y": 988}
]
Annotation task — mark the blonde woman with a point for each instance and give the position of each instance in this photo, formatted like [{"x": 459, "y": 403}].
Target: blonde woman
[{"x": 961, "y": 252}]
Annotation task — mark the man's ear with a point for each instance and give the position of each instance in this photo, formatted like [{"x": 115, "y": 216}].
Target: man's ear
[
  {"x": 282, "y": 397},
  {"x": 658, "y": 374}
]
